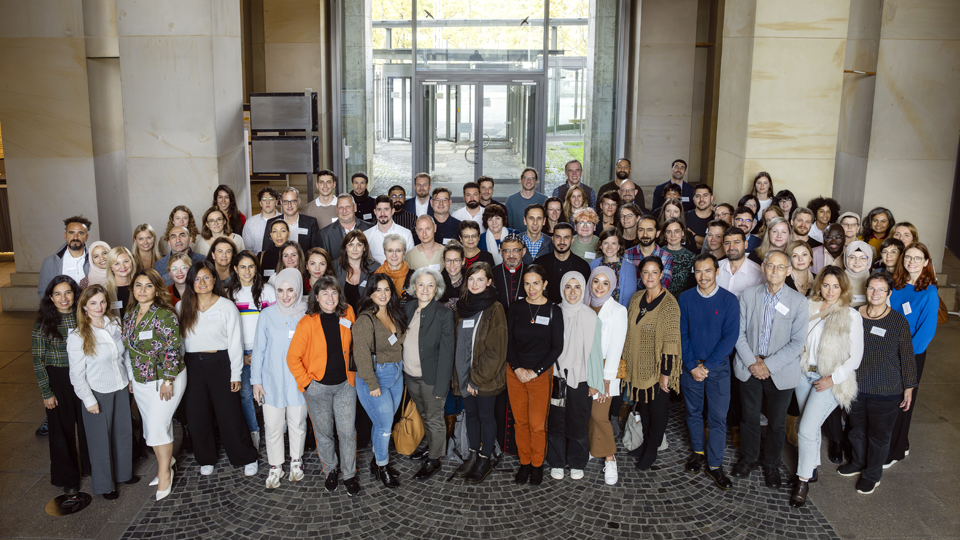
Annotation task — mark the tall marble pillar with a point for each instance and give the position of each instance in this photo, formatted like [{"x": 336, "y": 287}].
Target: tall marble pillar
[
  {"x": 916, "y": 117},
  {"x": 780, "y": 91},
  {"x": 601, "y": 93}
]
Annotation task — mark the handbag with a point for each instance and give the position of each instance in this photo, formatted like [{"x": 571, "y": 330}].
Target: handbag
[
  {"x": 408, "y": 431},
  {"x": 942, "y": 314},
  {"x": 633, "y": 432},
  {"x": 558, "y": 394}
]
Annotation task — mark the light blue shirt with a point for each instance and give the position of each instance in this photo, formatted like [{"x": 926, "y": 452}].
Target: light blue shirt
[{"x": 269, "y": 364}]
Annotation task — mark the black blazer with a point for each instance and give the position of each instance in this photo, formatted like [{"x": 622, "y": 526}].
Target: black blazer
[
  {"x": 437, "y": 343},
  {"x": 311, "y": 239}
]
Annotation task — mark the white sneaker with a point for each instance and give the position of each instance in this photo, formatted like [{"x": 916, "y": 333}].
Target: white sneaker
[
  {"x": 250, "y": 469},
  {"x": 273, "y": 479},
  {"x": 556, "y": 474},
  {"x": 206, "y": 470},
  {"x": 891, "y": 464},
  {"x": 576, "y": 474},
  {"x": 296, "y": 470},
  {"x": 610, "y": 475},
  {"x": 763, "y": 419},
  {"x": 663, "y": 444},
  {"x": 255, "y": 436}
]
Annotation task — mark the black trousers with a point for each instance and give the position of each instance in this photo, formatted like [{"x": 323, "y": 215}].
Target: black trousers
[
  {"x": 752, "y": 392},
  {"x": 872, "y": 422},
  {"x": 653, "y": 416},
  {"x": 899, "y": 442},
  {"x": 208, "y": 395},
  {"x": 66, "y": 425},
  {"x": 567, "y": 430},
  {"x": 481, "y": 423},
  {"x": 735, "y": 414}
]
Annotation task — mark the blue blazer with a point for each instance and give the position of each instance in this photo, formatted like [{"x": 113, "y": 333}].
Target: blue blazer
[
  {"x": 627, "y": 280},
  {"x": 411, "y": 206}
]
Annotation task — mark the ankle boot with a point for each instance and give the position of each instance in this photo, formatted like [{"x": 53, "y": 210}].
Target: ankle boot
[
  {"x": 799, "y": 496},
  {"x": 467, "y": 466},
  {"x": 384, "y": 474},
  {"x": 480, "y": 472}
]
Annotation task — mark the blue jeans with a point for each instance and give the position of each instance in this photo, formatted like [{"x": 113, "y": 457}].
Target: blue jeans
[
  {"x": 716, "y": 389},
  {"x": 382, "y": 408},
  {"x": 815, "y": 407},
  {"x": 246, "y": 397}
]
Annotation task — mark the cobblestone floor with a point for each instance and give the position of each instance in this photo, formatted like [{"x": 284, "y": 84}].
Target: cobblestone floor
[{"x": 665, "y": 503}]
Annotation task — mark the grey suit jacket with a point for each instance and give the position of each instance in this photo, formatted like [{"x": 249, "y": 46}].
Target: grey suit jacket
[
  {"x": 51, "y": 266},
  {"x": 787, "y": 336}
]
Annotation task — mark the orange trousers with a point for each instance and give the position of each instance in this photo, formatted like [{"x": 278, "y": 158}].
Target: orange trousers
[{"x": 530, "y": 403}]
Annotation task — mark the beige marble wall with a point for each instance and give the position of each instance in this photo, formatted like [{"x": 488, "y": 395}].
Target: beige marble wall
[
  {"x": 916, "y": 116},
  {"x": 780, "y": 94}
]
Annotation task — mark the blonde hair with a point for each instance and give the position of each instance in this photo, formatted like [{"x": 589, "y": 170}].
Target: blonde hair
[
  {"x": 846, "y": 292},
  {"x": 765, "y": 245},
  {"x": 155, "y": 253},
  {"x": 568, "y": 206},
  {"x": 111, "y": 285}
]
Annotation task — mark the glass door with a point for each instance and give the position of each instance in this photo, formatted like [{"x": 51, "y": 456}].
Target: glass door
[
  {"x": 509, "y": 136},
  {"x": 448, "y": 131}
]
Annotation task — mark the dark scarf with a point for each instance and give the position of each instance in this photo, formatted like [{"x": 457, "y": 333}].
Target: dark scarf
[{"x": 475, "y": 303}]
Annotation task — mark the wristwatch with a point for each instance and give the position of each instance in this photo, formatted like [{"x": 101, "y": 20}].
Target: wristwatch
[{"x": 168, "y": 383}]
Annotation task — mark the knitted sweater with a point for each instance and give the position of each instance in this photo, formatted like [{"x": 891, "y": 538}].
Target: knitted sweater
[{"x": 657, "y": 334}]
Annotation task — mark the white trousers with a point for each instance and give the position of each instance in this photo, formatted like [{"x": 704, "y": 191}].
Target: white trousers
[
  {"x": 156, "y": 413},
  {"x": 273, "y": 419}
]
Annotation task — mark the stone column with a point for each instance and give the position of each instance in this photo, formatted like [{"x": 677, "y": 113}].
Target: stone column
[
  {"x": 780, "y": 92},
  {"x": 356, "y": 106},
  {"x": 601, "y": 93},
  {"x": 916, "y": 117}
]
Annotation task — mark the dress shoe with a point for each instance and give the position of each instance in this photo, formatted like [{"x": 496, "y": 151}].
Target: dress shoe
[
  {"x": 695, "y": 463},
  {"x": 332, "y": 480},
  {"x": 835, "y": 452},
  {"x": 792, "y": 482},
  {"x": 743, "y": 468},
  {"x": 866, "y": 487},
  {"x": 166, "y": 493},
  {"x": 156, "y": 480},
  {"x": 420, "y": 453},
  {"x": 428, "y": 469},
  {"x": 70, "y": 491},
  {"x": 480, "y": 472},
  {"x": 44, "y": 429},
  {"x": 467, "y": 466},
  {"x": 523, "y": 474},
  {"x": 771, "y": 477},
  {"x": 799, "y": 495},
  {"x": 111, "y": 496},
  {"x": 133, "y": 480},
  {"x": 718, "y": 477},
  {"x": 353, "y": 486},
  {"x": 536, "y": 476}
]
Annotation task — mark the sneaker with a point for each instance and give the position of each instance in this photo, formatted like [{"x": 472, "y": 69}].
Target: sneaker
[
  {"x": 206, "y": 470},
  {"x": 576, "y": 474},
  {"x": 332, "y": 480},
  {"x": 353, "y": 486},
  {"x": 273, "y": 479},
  {"x": 556, "y": 474},
  {"x": 866, "y": 487},
  {"x": 44, "y": 428},
  {"x": 889, "y": 464},
  {"x": 250, "y": 469},
  {"x": 763, "y": 420},
  {"x": 296, "y": 470},
  {"x": 255, "y": 437},
  {"x": 610, "y": 475},
  {"x": 848, "y": 469}
]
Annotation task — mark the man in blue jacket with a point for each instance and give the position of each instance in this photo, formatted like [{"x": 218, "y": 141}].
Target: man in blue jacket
[{"x": 707, "y": 339}]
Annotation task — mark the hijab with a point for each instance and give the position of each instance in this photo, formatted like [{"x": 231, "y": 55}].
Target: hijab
[
  {"x": 292, "y": 277},
  {"x": 611, "y": 275},
  {"x": 579, "y": 325},
  {"x": 96, "y": 276},
  {"x": 858, "y": 280}
]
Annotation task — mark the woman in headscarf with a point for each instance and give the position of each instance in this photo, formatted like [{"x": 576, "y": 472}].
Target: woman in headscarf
[
  {"x": 580, "y": 367},
  {"x": 274, "y": 386},
  {"x": 613, "y": 321},
  {"x": 98, "y": 265},
  {"x": 858, "y": 260}
]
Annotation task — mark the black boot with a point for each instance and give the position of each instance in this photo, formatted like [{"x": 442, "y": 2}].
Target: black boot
[
  {"x": 523, "y": 474},
  {"x": 384, "y": 474},
  {"x": 480, "y": 472},
  {"x": 467, "y": 466}
]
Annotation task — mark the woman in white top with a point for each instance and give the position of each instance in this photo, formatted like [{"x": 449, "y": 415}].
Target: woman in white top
[
  {"x": 213, "y": 342},
  {"x": 833, "y": 351},
  {"x": 763, "y": 189},
  {"x": 215, "y": 225},
  {"x": 98, "y": 372},
  {"x": 613, "y": 319},
  {"x": 251, "y": 296}
]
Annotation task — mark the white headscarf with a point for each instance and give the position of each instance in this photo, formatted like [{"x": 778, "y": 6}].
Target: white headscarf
[
  {"x": 96, "y": 275},
  {"x": 579, "y": 325},
  {"x": 292, "y": 277}
]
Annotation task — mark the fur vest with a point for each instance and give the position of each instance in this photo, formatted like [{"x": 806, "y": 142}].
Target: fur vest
[{"x": 833, "y": 350}]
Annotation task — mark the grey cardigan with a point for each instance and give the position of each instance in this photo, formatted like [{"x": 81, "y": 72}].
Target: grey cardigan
[
  {"x": 53, "y": 264},
  {"x": 437, "y": 344},
  {"x": 788, "y": 333}
]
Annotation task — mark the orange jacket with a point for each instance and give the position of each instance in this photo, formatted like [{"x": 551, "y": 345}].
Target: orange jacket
[{"x": 307, "y": 355}]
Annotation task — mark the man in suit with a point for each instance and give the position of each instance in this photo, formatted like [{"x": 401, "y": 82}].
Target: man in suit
[
  {"x": 303, "y": 228},
  {"x": 773, "y": 329},
  {"x": 332, "y": 235},
  {"x": 420, "y": 203}
]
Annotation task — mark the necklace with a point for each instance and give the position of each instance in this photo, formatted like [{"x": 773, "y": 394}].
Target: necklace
[
  {"x": 872, "y": 317},
  {"x": 533, "y": 314}
]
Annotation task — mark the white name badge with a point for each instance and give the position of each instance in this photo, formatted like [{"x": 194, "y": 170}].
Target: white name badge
[
  {"x": 290, "y": 334},
  {"x": 878, "y": 331},
  {"x": 590, "y": 255},
  {"x": 269, "y": 273},
  {"x": 146, "y": 334},
  {"x": 435, "y": 267},
  {"x": 363, "y": 283},
  {"x": 392, "y": 339},
  {"x": 543, "y": 320},
  {"x": 345, "y": 323},
  {"x": 301, "y": 230},
  {"x": 684, "y": 199},
  {"x": 116, "y": 305},
  {"x": 782, "y": 308},
  {"x": 368, "y": 216},
  {"x": 468, "y": 323},
  {"x": 906, "y": 308},
  {"x": 859, "y": 298},
  {"x": 447, "y": 241},
  {"x": 333, "y": 220},
  {"x": 213, "y": 314}
]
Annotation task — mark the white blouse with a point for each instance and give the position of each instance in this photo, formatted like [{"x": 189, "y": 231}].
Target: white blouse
[
  {"x": 850, "y": 365},
  {"x": 218, "y": 329},
  {"x": 106, "y": 370},
  {"x": 613, "y": 321}
]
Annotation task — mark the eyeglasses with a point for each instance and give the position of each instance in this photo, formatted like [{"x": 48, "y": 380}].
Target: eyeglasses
[
  {"x": 441, "y": 200},
  {"x": 882, "y": 290},
  {"x": 513, "y": 251},
  {"x": 584, "y": 223},
  {"x": 267, "y": 199},
  {"x": 743, "y": 220},
  {"x": 777, "y": 267},
  {"x": 398, "y": 196},
  {"x": 919, "y": 258},
  {"x": 529, "y": 178},
  {"x": 853, "y": 258},
  {"x": 453, "y": 261},
  {"x": 285, "y": 203}
]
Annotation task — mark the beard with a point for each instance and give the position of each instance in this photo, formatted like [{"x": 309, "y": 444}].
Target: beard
[
  {"x": 397, "y": 206},
  {"x": 623, "y": 175},
  {"x": 473, "y": 204},
  {"x": 646, "y": 241}
]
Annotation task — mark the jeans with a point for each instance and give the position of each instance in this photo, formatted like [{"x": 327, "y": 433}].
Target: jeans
[
  {"x": 382, "y": 408},
  {"x": 715, "y": 391},
  {"x": 815, "y": 407},
  {"x": 329, "y": 406},
  {"x": 246, "y": 397},
  {"x": 871, "y": 427}
]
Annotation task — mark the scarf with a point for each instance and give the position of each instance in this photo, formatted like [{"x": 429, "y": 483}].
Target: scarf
[
  {"x": 476, "y": 303},
  {"x": 607, "y": 271},
  {"x": 399, "y": 276},
  {"x": 292, "y": 277},
  {"x": 858, "y": 280},
  {"x": 579, "y": 325},
  {"x": 96, "y": 276},
  {"x": 493, "y": 245}
]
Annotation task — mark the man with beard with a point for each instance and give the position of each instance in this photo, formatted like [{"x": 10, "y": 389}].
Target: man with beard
[
  {"x": 560, "y": 261},
  {"x": 420, "y": 204},
  {"x": 527, "y": 195},
  {"x": 179, "y": 242},
  {"x": 737, "y": 272},
  {"x": 629, "y": 192},
  {"x": 398, "y": 196},
  {"x": 621, "y": 173},
  {"x": 361, "y": 196},
  {"x": 332, "y": 235},
  {"x": 471, "y": 211},
  {"x": 486, "y": 192},
  {"x": 574, "y": 171},
  {"x": 324, "y": 207},
  {"x": 72, "y": 258},
  {"x": 537, "y": 243},
  {"x": 677, "y": 171},
  {"x": 698, "y": 218},
  {"x": 448, "y": 227},
  {"x": 508, "y": 275},
  {"x": 745, "y": 220},
  {"x": 647, "y": 232},
  {"x": 801, "y": 222},
  {"x": 383, "y": 210},
  {"x": 831, "y": 252}
]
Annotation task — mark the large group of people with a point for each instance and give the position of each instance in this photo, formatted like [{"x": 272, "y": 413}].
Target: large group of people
[{"x": 544, "y": 319}]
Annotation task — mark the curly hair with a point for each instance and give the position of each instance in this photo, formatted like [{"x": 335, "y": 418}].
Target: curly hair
[
  {"x": 816, "y": 204},
  {"x": 191, "y": 222}
]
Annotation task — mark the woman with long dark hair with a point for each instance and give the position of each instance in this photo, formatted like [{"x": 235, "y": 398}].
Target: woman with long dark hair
[
  {"x": 354, "y": 267},
  {"x": 55, "y": 320},
  {"x": 787, "y": 202},
  {"x": 877, "y": 226},
  {"x": 318, "y": 264},
  {"x": 221, "y": 255},
  {"x": 226, "y": 201},
  {"x": 215, "y": 225},
  {"x": 291, "y": 256},
  {"x": 763, "y": 189},
  {"x": 213, "y": 342},
  {"x": 279, "y": 234}
]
